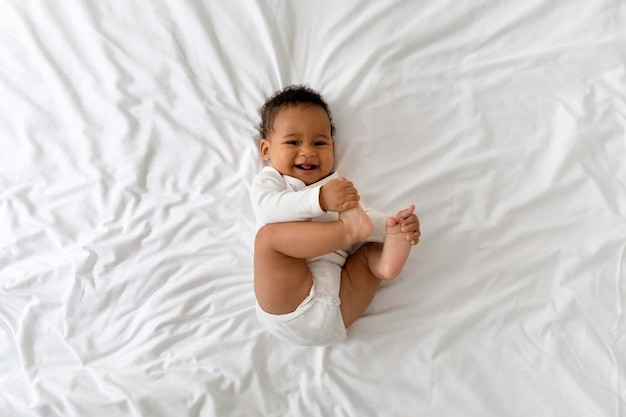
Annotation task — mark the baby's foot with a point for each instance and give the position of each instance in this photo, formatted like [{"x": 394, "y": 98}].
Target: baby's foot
[
  {"x": 359, "y": 225},
  {"x": 395, "y": 251}
]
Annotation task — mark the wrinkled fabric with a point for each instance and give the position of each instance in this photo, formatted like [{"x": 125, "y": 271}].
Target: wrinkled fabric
[{"x": 128, "y": 144}]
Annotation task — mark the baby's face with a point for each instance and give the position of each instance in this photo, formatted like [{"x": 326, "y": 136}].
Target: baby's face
[{"x": 300, "y": 144}]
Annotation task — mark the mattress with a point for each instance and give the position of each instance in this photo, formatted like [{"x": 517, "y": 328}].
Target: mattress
[{"x": 128, "y": 145}]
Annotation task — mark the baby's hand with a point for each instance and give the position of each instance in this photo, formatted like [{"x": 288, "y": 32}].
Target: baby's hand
[
  {"x": 338, "y": 195},
  {"x": 410, "y": 224}
]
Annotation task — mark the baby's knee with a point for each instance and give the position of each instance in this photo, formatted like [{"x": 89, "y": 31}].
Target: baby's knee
[{"x": 263, "y": 235}]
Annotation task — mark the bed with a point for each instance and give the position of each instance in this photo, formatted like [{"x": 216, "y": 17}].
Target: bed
[{"x": 128, "y": 145}]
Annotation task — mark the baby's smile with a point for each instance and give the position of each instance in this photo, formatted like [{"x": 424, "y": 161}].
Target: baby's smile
[
  {"x": 306, "y": 167},
  {"x": 300, "y": 144}
]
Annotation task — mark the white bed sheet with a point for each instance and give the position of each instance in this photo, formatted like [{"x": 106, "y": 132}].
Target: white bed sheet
[{"x": 127, "y": 147}]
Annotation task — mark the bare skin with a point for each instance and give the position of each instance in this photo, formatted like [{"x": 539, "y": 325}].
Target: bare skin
[
  {"x": 282, "y": 278},
  {"x": 373, "y": 262},
  {"x": 300, "y": 145}
]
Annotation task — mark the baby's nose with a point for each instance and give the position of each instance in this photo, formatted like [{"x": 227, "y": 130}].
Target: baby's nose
[{"x": 307, "y": 150}]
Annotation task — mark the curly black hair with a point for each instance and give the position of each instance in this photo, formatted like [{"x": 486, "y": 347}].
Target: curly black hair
[{"x": 291, "y": 96}]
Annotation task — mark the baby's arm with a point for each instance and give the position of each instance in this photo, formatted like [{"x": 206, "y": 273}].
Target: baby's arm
[{"x": 273, "y": 202}]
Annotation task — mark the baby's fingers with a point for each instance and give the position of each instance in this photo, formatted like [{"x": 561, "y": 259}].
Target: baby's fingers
[
  {"x": 411, "y": 227},
  {"x": 411, "y": 220},
  {"x": 413, "y": 237},
  {"x": 348, "y": 204},
  {"x": 403, "y": 214}
]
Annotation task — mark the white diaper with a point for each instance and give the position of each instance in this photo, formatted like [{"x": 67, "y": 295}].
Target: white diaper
[{"x": 317, "y": 321}]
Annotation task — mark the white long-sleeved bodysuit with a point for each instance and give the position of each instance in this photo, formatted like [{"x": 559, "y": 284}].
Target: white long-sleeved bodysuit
[{"x": 279, "y": 198}]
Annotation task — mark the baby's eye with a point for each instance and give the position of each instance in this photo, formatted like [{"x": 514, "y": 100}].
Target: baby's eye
[
  {"x": 321, "y": 143},
  {"x": 291, "y": 142}
]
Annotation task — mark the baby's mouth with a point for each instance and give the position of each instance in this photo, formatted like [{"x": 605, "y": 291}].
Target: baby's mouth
[{"x": 306, "y": 167}]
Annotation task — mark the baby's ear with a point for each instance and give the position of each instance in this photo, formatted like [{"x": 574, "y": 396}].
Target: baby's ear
[{"x": 264, "y": 149}]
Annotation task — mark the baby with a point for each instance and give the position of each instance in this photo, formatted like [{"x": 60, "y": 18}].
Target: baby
[{"x": 319, "y": 254}]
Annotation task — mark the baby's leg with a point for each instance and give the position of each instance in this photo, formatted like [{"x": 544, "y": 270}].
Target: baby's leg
[
  {"x": 310, "y": 239},
  {"x": 281, "y": 276},
  {"x": 361, "y": 275},
  {"x": 358, "y": 284},
  {"x": 387, "y": 261}
]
